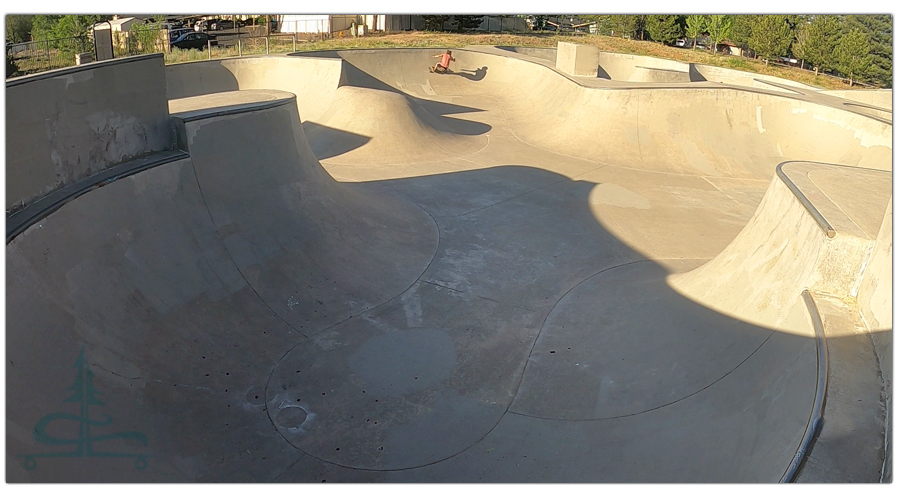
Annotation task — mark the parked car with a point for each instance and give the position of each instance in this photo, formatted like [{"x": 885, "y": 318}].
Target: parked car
[
  {"x": 223, "y": 24},
  {"x": 193, "y": 41},
  {"x": 205, "y": 24},
  {"x": 177, "y": 32}
]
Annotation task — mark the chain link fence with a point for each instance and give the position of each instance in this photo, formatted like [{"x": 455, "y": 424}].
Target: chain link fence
[
  {"x": 241, "y": 46},
  {"x": 43, "y": 55}
]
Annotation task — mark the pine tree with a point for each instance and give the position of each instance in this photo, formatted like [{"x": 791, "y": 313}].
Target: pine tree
[
  {"x": 624, "y": 26},
  {"x": 435, "y": 23},
  {"x": 540, "y": 21},
  {"x": 852, "y": 53},
  {"x": 741, "y": 29},
  {"x": 696, "y": 25},
  {"x": 602, "y": 22},
  {"x": 879, "y": 30},
  {"x": 664, "y": 29},
  {"x": 467, "y": 22},
  {"x": 816, "y": 41},
  {"x": 771, "y": 36}
]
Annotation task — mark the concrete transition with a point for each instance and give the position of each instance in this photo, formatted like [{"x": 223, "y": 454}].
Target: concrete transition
[{"x": 338, "y": 266}]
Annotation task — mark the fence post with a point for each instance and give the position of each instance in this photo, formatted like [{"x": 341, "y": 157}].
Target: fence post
[
  {"x": 267, "y": 44},
  {"x": 47, "y": 51},
  {"x": 240, "y": 49},
  {"x": 208, "y": 50},
  {"x": 294, "y": 38}
]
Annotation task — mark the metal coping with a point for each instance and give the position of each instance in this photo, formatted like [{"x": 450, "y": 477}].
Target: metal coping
[
  {"x": 782, "y": 86},
  {"x": 867, "y": 106},
  {"x": 665, "y": 69},
  {"x": 816, "y": 215},
  {"x": 25, "y": 218},
  {"x": 75, "y": 69},
  {"x": 817, "y": 415}
]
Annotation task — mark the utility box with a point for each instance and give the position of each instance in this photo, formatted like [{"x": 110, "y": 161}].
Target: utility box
[
  {"x": 83, "y": 58},
  {"x": 577, "y": 59},
  {"x": 103, "y": 45}
]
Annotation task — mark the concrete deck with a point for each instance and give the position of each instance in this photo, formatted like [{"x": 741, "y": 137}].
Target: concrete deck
[{"x": 495, "y": 275}]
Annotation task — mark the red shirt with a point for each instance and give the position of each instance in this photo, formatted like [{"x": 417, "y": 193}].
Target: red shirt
[{"x": 445, "y": 60}]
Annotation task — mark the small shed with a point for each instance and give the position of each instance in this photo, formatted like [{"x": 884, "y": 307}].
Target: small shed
[{"x": 119, "y": 24}]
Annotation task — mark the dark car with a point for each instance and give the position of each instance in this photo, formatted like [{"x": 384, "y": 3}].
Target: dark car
[
  {"x": 193, "y": 41},
  {"x": 175, "y": 33},
  {"x": 223, "y": 24}
]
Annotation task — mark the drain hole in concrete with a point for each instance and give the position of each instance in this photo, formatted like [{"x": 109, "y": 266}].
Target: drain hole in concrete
[{"x": 290, "y": 417}]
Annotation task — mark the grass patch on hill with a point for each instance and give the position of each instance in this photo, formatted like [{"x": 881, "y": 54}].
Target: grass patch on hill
[{"x": 417, "y": 39}]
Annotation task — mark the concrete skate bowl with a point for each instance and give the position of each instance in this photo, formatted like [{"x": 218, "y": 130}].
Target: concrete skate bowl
[
  {"x": 346, "y": 268},
  {"x": 647, "y": 69}
]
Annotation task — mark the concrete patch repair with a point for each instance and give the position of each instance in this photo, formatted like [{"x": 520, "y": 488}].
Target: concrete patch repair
[
  {"x": 561, "y": 266},
  {"x": 85, "y": 395}
]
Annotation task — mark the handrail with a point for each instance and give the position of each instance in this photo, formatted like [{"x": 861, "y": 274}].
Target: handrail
[
  {"x": 817, "y": 414},
  {"x": 816, "y": 215}
]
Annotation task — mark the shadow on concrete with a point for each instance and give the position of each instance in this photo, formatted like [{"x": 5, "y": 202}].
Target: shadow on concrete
[
  {"x": 327, "y": 142},
  {"x": 473, "y": 75},
  {"x": 359, "y": 78},
  {"x": 531, "y": 319},
  {"x": 694, "y": 75},
  {"x": 601, "y": 73}
]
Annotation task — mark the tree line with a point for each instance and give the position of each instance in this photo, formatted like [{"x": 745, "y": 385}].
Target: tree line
[
  {"x": 459, "y": 23},
  {"x": 856, "y": 46},
  {"x": 24, "y": 28}
]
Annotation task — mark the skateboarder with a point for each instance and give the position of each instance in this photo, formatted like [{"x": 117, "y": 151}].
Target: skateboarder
[{"x": 444, "y": 64}]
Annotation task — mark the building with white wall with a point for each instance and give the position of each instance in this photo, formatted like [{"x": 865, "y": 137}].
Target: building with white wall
[{"x": 325, "y": 23}]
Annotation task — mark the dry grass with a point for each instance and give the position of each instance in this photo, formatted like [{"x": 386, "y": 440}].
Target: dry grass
[
  {"x": 455, "y": 40},
  {"x": 605, "y": 43}
]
